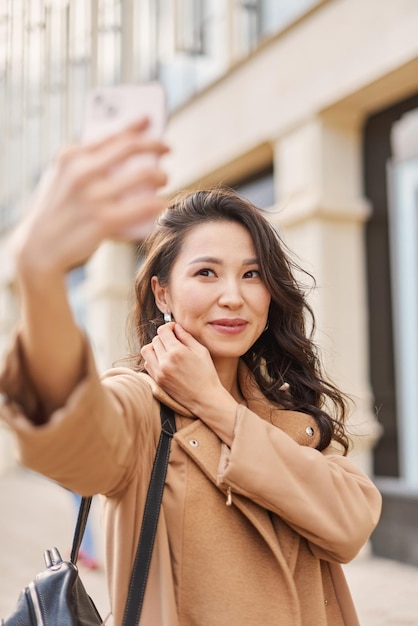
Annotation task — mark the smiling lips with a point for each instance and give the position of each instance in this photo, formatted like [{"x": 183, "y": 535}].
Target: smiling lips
[{"x": 229, "y": 326}]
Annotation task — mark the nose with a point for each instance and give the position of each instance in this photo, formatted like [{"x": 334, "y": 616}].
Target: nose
[{"x": 231, "y": 295}]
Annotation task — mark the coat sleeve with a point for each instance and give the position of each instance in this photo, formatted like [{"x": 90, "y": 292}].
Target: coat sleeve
[
  {"x": 323, "y": 496},
  {"x": 91, "y": 443}
]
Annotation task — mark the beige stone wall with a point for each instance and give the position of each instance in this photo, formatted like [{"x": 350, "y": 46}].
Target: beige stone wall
[
  {"x": 356, "y": 55},
  {"x": 322, "y": 220}
]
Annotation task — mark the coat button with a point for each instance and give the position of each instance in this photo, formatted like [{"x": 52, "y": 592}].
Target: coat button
[
  {"x": 310, "y": 431},
  {"x": 194, "y": 443}
]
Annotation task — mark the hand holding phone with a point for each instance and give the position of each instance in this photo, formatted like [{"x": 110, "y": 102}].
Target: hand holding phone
[{"x": 110, "y": 110}]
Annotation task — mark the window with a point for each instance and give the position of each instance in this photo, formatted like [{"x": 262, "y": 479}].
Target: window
[
  {"x": 12, "y": 107},
  {"x": 403, "y": 246},
  {"x": 258, "y": 189},
  {"x": 190, "y": 28},
  {"x": 80, "y": 61},
  {"x": 277, "y": 14},
  {"x": 383, "y": 267},
  {"x": 109, "y": 42},
  {"x": 260, "y": 18},
  {"x": 77, "y": 295},
  {"x": 193, "y": 47}
]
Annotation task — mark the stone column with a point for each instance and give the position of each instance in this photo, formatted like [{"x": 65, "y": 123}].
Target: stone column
[
  {"x": 108, "y": 286},
  {"x": 321, "y": 216}
]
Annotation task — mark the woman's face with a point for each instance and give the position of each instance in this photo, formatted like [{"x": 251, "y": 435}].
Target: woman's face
[{"x": 215, "y": 291}]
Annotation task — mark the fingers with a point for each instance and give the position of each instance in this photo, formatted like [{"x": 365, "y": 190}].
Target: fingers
[
  {"x": 155, "y": 361},
  {"x": 174, "y": 334},
  {"x": 115, "y": 218},
  {"x": 89, "y": 166},
  {"x": 133, "y": 130},
  {"x": 88, "y": 194},
  {"x": 163, "y": 349},
  {"x": 173, "y": 344},
  {"x": 136, "y": 127},
  {"x": 113, "y": 182},
  {"x": 136, "y": 177},
  {"x": 166, "y": 335},
  {"x": 83, "y": 163},
  {"x": 108, "y": 152},
  {"x": 184, "y": 337},
  {"x": 165, "y": 341}
]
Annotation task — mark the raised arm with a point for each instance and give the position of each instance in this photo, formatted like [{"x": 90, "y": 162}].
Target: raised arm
[{"x": 82, "y": 200}]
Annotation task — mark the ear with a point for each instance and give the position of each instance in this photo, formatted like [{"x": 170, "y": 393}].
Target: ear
[{"x": 160, "y": 295}]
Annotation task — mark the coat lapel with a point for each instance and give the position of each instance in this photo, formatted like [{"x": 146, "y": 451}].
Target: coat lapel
[{"x": 204, "y": 448}]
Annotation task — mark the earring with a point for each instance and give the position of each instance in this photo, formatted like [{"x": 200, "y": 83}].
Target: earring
[
  {"x": 167, "y": 317},
  {"x": 266, "y": 328}
]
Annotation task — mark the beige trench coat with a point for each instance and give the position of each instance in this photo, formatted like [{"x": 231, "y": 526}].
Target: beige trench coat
[{"x": 272, "y": 558}]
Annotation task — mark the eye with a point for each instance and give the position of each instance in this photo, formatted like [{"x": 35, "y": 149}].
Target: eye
[
  {"x": 252, "y": 274},
  {"x": 206, "y": 272}
]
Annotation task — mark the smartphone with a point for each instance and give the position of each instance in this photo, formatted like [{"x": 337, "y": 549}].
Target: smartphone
[{"x": 111, "y": 109}]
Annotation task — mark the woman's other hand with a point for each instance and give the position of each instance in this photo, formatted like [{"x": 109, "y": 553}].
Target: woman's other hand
[{"x": 184, "y": 369}]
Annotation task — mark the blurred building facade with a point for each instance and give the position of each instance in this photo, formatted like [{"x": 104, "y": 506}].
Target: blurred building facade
[{"x": 310, "y": 109}]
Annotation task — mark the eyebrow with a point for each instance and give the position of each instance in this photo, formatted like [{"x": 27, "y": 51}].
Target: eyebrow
[{"x": 215, "y": 260}]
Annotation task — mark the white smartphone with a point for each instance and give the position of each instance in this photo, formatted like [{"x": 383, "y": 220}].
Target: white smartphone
[{"x": 111, "y": 109}]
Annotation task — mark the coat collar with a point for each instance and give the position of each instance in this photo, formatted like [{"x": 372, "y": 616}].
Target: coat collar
[
  {"x": 300, "y": 426},
  {"x": 251, "y": 392}
]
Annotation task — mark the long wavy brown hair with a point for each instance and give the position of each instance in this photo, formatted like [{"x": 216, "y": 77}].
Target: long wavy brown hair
[{"x": 285, "y": 352}]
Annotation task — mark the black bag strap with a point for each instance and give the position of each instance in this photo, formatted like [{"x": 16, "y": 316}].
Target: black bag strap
[
  {"x": 80, "y": 527},
  {"x": 150, "y": 520}
]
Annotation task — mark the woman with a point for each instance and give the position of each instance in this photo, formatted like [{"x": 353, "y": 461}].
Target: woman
[{"x": 261, "y": 505}]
